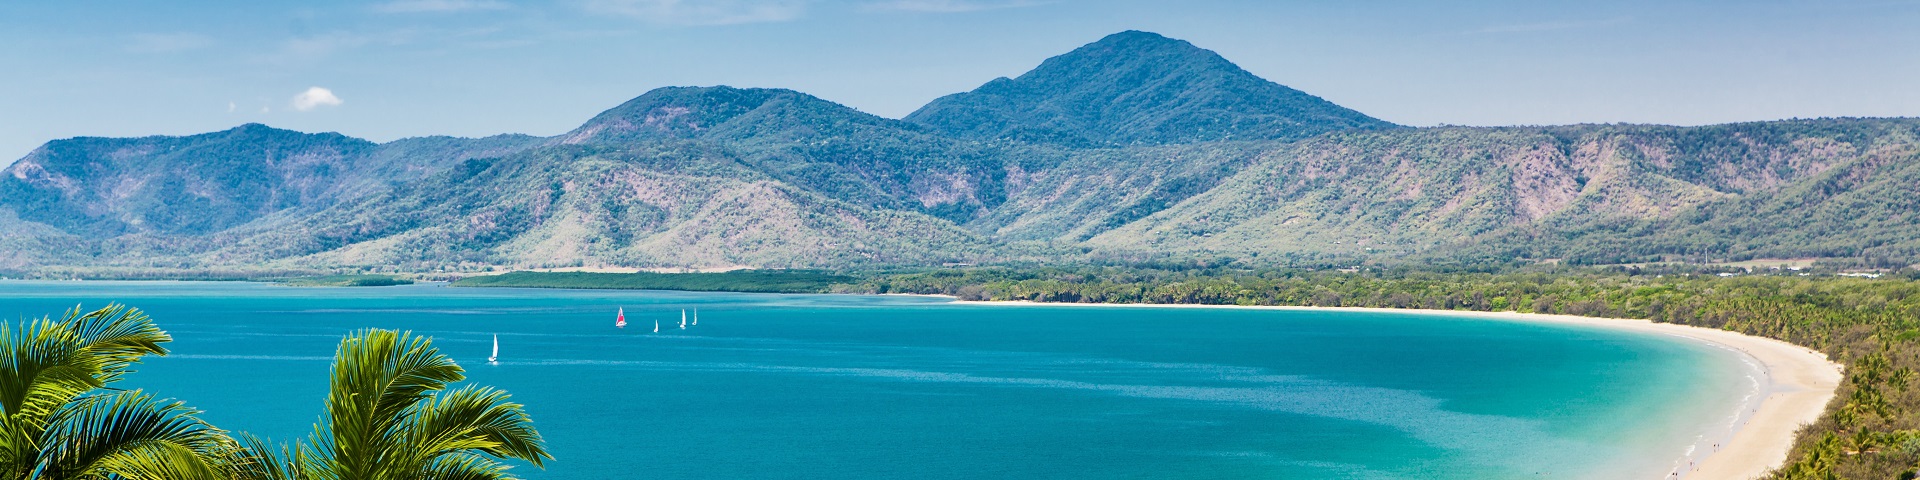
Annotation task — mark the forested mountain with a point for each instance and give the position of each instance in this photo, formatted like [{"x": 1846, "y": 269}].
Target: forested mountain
[
  {"x": 206, "y": 183},
  {"x": 1137, "y": 88},
  {"x": 1588, "y": 194},
  {"x": 1134, "y": 148},
  {"x": 799, "y": 139}
]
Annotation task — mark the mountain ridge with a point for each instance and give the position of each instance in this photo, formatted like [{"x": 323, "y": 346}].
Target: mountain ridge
[
  {"x": 1137, "y": 87},
  {"x": 1131, "y": 158}
]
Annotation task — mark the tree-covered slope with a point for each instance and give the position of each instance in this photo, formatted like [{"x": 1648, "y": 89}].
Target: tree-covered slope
[
  {"x": 802, "y": 140},
  {"x": 662, "y": 204},
  {"x": 1133, "y": 148},
  {"x": 179, "y": 185},
  {"x": 205, "y": 183},
  {"x": 1831, "y": 188},
  {"x": 1137, "y": 88},
  {"x": 1595, "y": 192}
]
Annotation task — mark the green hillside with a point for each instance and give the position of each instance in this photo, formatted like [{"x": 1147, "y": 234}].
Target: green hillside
[
  {"x": 1137, "y": 88},
  {"x": 1134, "y": 149}
]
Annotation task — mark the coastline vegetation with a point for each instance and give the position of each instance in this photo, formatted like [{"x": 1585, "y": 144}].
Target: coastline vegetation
[
  {"x": 370, "y": 280},
  {"x": 389, "y": 412},
  {"x": 1869, "y": 325},
  {"x": 757, "y": 281}
]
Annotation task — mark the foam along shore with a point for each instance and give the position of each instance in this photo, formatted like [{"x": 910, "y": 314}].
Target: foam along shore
[{"x": 1797, "y": 381}]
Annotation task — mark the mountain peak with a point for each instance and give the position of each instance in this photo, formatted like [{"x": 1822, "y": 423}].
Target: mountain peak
[
  {"x": 1137, "y": 87},
  {"x": 702, "y": 112}
]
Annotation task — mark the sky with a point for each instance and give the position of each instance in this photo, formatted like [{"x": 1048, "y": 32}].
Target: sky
[{"x": 390, "y": 69}]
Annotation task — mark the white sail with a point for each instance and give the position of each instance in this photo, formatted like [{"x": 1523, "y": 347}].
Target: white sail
[
  {"x": 656, "y": 325},
  {"x": 696, "y": 316},
  {"x": 683, "y": 319},
  {"x": 496, "y": 349}
]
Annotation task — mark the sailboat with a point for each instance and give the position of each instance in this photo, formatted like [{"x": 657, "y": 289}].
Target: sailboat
[
  {"x": 683, "y": 319},
  {"x": 496, "y": 350},
  {"x": 656, "y": 325},
  {"x": 621, "y": 321},
  {"x": 696, "y": 316}
]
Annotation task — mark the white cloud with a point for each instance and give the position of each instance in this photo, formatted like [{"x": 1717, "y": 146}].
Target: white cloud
[
  {"x": 422, "y": 6},
  {"x": 702, "y": 12},
  {"x": 167, "y": 42},
  {"x": 314, "y": 97},
  {"x": 232, "y": 106},
  {"x": 949, "y": 6}
]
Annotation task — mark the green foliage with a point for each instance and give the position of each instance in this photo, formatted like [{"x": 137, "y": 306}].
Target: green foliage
[
  {"x": 391, "y": 416},
  {"x": 766, "y": 281},
  {"x": 389, "y": 413},
  {"x": 1133, "y": 149},
  {"x": 64, "y": 420},
  {"x": 345, "y": 281},
  {"x": 1136, "y": 88}
]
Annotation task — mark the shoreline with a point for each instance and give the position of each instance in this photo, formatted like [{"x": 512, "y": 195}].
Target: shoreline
[{"x": 1797, "y": 381}]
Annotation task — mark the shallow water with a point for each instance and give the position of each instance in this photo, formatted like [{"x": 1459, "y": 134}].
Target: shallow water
[{"x": 825, "y": 386}]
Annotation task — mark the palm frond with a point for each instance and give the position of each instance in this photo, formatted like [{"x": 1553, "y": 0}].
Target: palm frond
[
  {"x": 464, "y": 467},
  {"x": 43, "y": 367},
  {"x": 389, "y": 416},
  {"x": 157, "y": 460},
  {"x": 377, "y": 376},
  {"x": 475, "y": 418},
  {"x": 117, "y": 335},
  {"x": 123, "y": 428}
]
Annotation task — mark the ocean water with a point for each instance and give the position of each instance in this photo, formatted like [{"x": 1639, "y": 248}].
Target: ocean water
[{"x": 827, "y": 386}]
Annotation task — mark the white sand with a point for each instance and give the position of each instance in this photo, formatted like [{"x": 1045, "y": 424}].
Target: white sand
[{"x": 1802, "y": 381}]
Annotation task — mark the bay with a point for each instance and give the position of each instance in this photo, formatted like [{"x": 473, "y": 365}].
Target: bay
[{"x": 838, "y": 386}]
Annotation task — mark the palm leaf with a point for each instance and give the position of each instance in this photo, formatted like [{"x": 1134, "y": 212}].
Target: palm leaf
[
  {"x": 475, "y": 418},
  {"x": 129, "y": 430},
  {"x": 389, "y": 416},
  {"x": 117, "y": 335},
  {"x": 464, "y": 467}
]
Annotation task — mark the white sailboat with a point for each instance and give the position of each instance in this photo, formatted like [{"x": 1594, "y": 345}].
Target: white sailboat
[
  {"x": 696, "y": 317},
  {"x": 656, "y": 325},
  {"x": 496, "y": 350},
  {"x": 683, "y": 319}
]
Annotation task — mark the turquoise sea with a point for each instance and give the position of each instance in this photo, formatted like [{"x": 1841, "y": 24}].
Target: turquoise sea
[{"x": 829, "y": 386}]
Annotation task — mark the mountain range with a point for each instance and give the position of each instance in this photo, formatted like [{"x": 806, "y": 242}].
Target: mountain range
[{"x": 1135, "y": 148}]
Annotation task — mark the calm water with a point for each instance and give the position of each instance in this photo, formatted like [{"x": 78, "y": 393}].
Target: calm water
[{"x": 820, "y": 386}]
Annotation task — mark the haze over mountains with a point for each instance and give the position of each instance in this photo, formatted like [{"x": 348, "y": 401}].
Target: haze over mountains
[{"x": 1136, "y": 147}]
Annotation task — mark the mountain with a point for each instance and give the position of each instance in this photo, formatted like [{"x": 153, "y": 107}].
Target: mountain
[
  {"x": 1585, "y": 194},
  {"x": 1137, "y": 88},
  {"x": 799, "y": 139},
  {"x": 210, "y": 182},
  {"x": 178, "y": 185},
  {"x": 1133, "y": 148},
  {"x": 653, "y": 205}
]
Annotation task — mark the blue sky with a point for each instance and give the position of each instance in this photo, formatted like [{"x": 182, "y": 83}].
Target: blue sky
[{"x": 397, "y": 68}]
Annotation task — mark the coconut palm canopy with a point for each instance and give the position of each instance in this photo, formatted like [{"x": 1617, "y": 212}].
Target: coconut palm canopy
[
  {"x": 62, "y": 420},
  {"x": 389, "y": 414}
]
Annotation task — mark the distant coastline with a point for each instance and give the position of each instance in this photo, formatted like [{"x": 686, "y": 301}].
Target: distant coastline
[{"x": 1802, "y": 380}]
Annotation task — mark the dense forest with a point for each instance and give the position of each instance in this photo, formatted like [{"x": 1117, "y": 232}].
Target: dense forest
[
  {"x": 1869, "y": 325},
  {"x": 1134, "y": 148}
]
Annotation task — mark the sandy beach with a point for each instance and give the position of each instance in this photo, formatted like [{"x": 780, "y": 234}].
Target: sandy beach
[{"x": 1797, "y": 385}]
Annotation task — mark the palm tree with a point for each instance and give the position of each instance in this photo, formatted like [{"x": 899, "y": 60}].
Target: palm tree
[
  {"x": 61, "y": 421},
  {"x": 390, "y": 416}
]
